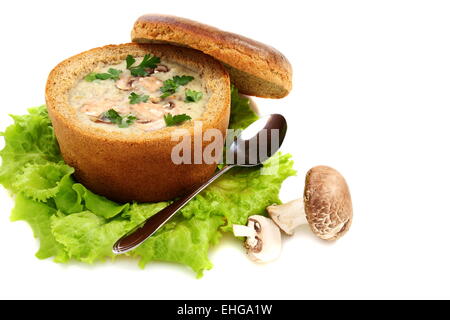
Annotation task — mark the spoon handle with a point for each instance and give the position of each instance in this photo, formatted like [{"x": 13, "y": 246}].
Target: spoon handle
[{"x": 145, "y": 230}]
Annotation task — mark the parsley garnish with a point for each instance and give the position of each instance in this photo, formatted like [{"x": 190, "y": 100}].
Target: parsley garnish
[
  {"x": 112, "y": 74},
  {"x": 137, "y": 98},
  {"x": 149, "y": 61},
  {"x": 122, "y": 122},
  {"x": 130, "y": 61},
  {"x": 127, "y": 121},
  {"x": 193, "y": 96},
  {"x": 91, "y": 77},
  {"x": 174, "y": 120},
  {"x": 171, "y": 85}
]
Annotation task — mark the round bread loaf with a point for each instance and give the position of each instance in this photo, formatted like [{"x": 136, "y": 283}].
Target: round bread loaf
[
  {"x": 133, "y": 166},
  {"x": 255, "y": 68}
]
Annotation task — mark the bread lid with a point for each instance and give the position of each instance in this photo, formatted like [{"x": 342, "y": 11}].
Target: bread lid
[{"x": 255, "y": 68}]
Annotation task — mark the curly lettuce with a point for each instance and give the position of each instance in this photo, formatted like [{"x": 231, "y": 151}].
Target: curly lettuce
[
  {"x": 30, "y": 140},
  {"x": 73, "y": 223},
  {"x": 242, "y": 114}
]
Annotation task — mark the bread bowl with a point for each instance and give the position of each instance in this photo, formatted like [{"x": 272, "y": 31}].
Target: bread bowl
[
  {"x": 255, "y": 68},
  {"x": 124, "y": 164},
  {"x": 111, "y": 106}
]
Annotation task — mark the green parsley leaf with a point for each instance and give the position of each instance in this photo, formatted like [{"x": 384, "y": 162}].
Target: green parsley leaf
[
  {"x": 137, "y": 98},
  {"x": 170, "y": 86},
  {"x": 138, "y": 72},
  {"x": 112, "y": 115},
  {"x": 122, "y": 122},
  {"x": 103, "y": 76},
  {"x": 193, "y": 96},
  {"x": 127, "y": 121},
  {"x": 130, "y": 61},
  {"x": 148, "y": 61},
  {"x": 113, "y": 74},
  {"x": 174, "y": 120},
  {"x": 183, "y": 80},
  {"x": 90, "y": 77}
]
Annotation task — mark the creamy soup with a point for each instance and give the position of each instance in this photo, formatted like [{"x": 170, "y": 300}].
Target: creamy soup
[{"x": 141, "y": 93}]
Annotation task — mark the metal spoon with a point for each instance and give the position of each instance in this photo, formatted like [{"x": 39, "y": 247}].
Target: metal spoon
[{"x": 257, "y": 143}]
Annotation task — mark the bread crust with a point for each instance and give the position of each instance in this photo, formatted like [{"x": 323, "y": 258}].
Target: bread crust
[
  {"x": 255, "y": 68},
  {"x": 129, "y": 166}
]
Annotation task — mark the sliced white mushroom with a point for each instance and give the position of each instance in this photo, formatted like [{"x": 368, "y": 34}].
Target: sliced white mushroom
[
  {"x": 169, "y": 105},
  {"x": 162, "y": 68},
  {"x": 150, "y": 84},
  {"x": 155, "y": 100},
  {"x": 244, "y": 231},
  {"x": 125, "y": 82},
  {"x": 263, "y": 241}
]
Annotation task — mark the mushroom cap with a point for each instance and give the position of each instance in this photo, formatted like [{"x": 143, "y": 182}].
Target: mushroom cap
[{"x": 328, "y": 204}]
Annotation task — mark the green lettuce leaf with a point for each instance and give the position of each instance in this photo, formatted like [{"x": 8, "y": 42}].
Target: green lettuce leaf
[
  {"x": 99, "y": 205},
  {"x": 241, "y": 114},
  {"x": 242, "y": 192},
  {"x": 30, "y": 140},
  {"x": 184, "y": 241},
  {"x": 38, "y": 216},
  {"x": 41, "y": 181},
  {"x": 73, "y": 223},
  {"x": 67, "y": 200},
  {"x": 85, "y": 236}
]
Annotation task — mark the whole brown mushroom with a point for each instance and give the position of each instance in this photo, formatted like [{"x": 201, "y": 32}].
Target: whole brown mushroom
[{"x": 326, "y": 206}]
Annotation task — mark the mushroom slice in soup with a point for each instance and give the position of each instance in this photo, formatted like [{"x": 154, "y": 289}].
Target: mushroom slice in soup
[
  {"x": 146, "y": 112},
  {"x": 150, "y": 84}
]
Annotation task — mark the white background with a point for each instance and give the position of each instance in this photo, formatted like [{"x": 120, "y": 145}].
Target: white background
[{"x": 371, "y": 98}]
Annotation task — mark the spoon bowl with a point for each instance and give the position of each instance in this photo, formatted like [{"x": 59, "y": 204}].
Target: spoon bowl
[{"x": 259, "y": 141}]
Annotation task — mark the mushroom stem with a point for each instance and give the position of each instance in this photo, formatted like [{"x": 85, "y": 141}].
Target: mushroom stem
[
  {"x": 243, "y": 231},
  {"x": 288, "y": 216},
  {"x": 246, "y": 231}
]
